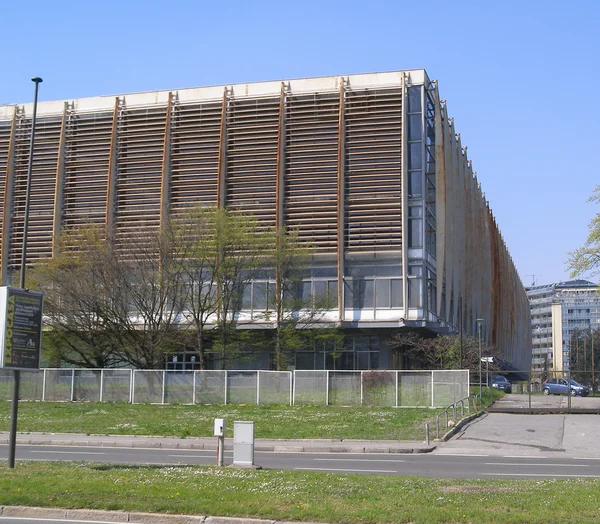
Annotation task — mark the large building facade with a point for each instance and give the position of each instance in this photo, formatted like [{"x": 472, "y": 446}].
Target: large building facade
[
  {"x": 558, "y": 312},
  {"x": 367, "y": 168}
]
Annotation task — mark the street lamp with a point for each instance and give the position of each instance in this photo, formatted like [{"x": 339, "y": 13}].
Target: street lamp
[
  {"x": 14, "y": 409},
  {"x": 479, "y": 322}
]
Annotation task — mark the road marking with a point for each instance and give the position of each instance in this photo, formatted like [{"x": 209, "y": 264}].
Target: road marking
[
  {"x": 70, "y": 452},
  {"x": 194, "y": 456},
  {"x": 543, "y": 475},
  {"x": 523, "y": 457},
  {"x": 535, "y": 465},
  {"x": 348, "y": 470},
  {"x": 341, "y": 459},
  {"x": 458, "y": 454}
]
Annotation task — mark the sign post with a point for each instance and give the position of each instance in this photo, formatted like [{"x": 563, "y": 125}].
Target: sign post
[{"x": 20, "y": 343}]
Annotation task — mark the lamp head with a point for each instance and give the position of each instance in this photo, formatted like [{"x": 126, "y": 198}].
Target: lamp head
[{"x": 36, "y": 79}]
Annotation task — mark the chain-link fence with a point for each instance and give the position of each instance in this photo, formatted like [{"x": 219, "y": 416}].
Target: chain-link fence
[{"x": 318, "y": 387}]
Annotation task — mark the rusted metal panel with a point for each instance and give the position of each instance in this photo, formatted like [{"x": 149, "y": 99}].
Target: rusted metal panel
[
  {"x": 340, "y": 203},
  {"x": 222, "y": 164},
  {"x": 112, "y": 173},
  {"x": 8, "y": 199},
  {"x": 60, "y": 182},
  {"x": 165, "y": 189},
  {"x": 404, "y": 196},
  {"x": 280, "y": 182}
]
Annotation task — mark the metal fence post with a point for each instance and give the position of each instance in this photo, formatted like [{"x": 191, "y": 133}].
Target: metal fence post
[
  {"x": 327, "y": 388},
  {"x": 361, "y": 388},
  {"x": 72, "y": 385},
  {"x": 194, "y": 387},
  {"x": 225, "y": 371},
  {"x": 432, "y": 390},
  {"x": 132, "y": 387},
  {"x": 164, "y": 376},
  {"x": 258, "y": 387},
  {"x": 44, "y": 386},
  {"x": 397, "y": 391},
  {"x": 101, "y": 385},
  {"x": 291, "y": 388}
]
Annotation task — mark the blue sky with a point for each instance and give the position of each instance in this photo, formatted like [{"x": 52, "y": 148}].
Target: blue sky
[{"x": 519, "y": 78}]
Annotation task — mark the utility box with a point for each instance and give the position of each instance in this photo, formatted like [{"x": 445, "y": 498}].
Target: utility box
[
  {"x": 243, "y": 444},
  {"x": 219, "y": 427}
]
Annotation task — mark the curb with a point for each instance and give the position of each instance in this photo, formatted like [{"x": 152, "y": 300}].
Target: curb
[
  {"x": 278, "y": 447},
  {"x": 127, "y": 516},
  {"x": 461, "y": 424}
]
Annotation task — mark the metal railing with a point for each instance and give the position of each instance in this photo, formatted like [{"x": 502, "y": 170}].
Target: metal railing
[{"x": 454, "y": 409}]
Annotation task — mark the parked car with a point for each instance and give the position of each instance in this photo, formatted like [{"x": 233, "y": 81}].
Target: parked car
[
  {"x": 500, "y": 382},
  {"x": 563, "y": 386}
]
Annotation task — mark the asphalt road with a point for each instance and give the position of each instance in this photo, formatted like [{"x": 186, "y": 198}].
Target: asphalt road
[{"x": 441, "y": 463}]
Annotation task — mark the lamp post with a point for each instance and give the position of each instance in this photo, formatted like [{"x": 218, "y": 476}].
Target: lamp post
[
  {"x": 17, "y": 373},
  {"x": 479, "y": 322}
]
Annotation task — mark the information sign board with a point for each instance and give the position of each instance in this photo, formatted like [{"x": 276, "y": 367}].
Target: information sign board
[{"x": 20, "y": 328}]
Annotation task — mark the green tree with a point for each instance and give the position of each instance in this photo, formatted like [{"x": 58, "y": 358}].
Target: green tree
[
  {"x": 587, "y": 258},
  {"x": 297, "y": 308},
  {"x": 220, "y": 251},
  {"x": 239, "y": 245}
]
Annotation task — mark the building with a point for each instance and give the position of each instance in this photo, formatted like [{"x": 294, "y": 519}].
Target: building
[
  {"x": 368, "y": 168},
  {"x": 558, "y": 312}
]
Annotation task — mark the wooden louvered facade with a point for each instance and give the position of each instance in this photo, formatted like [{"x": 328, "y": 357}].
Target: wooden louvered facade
[{"x": 366, "y": 168}]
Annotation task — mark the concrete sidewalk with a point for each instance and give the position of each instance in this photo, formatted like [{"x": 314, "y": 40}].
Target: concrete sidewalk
[
  {"x": 97, "y": 516},
  {"x": 210, "y": 443}
]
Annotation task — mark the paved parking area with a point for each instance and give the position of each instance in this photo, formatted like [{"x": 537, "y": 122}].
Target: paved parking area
[
  {"x": 540, "y": 427},
  {"x": 550, "y": 402}
]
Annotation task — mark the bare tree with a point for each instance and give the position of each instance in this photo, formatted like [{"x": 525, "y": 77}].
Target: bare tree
[
  {"x": 75, "y": 302},
  {"x": 442, "y": 351},
  {"x": 145, "y": 285},
  {"x": 113, "y": 303}
]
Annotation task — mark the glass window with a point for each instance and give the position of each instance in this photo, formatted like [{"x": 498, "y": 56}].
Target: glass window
[
  {"x": 415, "y": 159},
  {"x": 415, "y": 271},
  {"x": 389, "y": 271},
  {"x": 415, "y": 184},
  {"x": 306, "y": 290},
  {"x": 415, "y": 127},
  {"x": 415, "y": 232},
  {"x": 382, "y": 293},
  {"x": 271, "y": 295},
  {"x": 361, "y": 271},
  {"x": 320, "y": 289},
  {"x": 396, "y": 292},
  {"x": 247, "y": 297},
  {"x": 332, "y": 290},
  {"x": 363, "y": 360},
  {"x": 305, "y": 360},
  {"x": 415, "y": 211},
  {"x": 415, "y": 298},
  {"x": 359, "y": 294},
  {"x": 324, "y": 272},
  {"x": 260, "y": 295},
  {"x": 414, "y": 99}
]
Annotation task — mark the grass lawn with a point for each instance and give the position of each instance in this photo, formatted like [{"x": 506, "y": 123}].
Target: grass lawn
[
  {"x": 299, "y": 496},
  {"x": 270, "y": 421}
]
